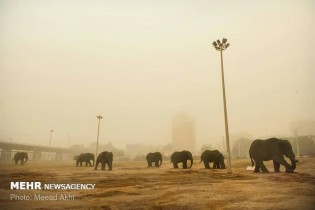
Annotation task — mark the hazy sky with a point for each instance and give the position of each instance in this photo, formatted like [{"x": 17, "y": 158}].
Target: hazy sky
[{"x": 138, "y": 63}]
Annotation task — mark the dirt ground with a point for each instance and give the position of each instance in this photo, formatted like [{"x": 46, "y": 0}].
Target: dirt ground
[{"x": 131, "y": 185}]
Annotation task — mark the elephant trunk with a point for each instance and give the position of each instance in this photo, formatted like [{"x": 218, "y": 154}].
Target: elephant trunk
[
  {"x": 191, "y": 160},
  {"x": 293, "y": 163}
]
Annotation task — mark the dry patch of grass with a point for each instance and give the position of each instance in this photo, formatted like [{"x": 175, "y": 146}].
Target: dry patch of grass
[{"x": 132, "y": 185}]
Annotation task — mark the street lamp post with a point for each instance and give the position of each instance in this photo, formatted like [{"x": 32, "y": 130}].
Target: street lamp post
[
  {"x": 297, "y": 143},
  {"x": 220, "y": 46},
  {"x": 51, "y": 132},
  {"x": 98, "y": 133}
]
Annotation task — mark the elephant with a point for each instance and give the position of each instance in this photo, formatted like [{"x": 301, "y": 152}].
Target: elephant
[
  {"x": 105, "y": 158},
  {"x": 214, "y": 156},
  {"x": 20, "y": 156},
  {"x": 85, "y": 157},
  {"x": 181, "y": 157},
  {"x": 155, "y": 157},
  {"x": 272, "y": 149}
]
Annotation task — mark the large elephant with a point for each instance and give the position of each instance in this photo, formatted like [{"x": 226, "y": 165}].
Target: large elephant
[
  {"x": 104, "y": 158},
  {"x": 20, "y": 156},
  {"x": 85, "y": 157},
  {"x": 214, "y": 156},
  {"x": 155, "y": 157},
  {"x": 181, "y": 157},
  {"x": 272, "y": 149}
]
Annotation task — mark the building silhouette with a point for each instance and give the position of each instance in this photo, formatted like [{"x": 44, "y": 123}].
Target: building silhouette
[{"x": 183, "y": 132}]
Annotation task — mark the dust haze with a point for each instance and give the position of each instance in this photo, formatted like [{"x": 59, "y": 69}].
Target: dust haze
[{"x": 140, "y": 63}]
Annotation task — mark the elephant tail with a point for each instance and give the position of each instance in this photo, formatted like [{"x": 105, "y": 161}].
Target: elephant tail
[{"x": 251, "y": 159}]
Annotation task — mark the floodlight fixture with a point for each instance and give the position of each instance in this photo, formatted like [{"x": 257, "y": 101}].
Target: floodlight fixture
[
  {"x": 98, "y": 133},
  {"x": 220, "y": 46}
]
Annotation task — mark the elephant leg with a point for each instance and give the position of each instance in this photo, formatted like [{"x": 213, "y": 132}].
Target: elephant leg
[
  {"x": 281, "y": 160},
  {"x": 217, "y": 164},
  {"x": 262, "y": 166},
  {"x": 22, "y": 162},
  {"x": 110, "y": 164},
  {"x": 257, "y": 168},
  {"x": 276, "y": 166},
  {"x": 185, "y": 164},
  {"x": 214, "y": 165},
  {"x": 96, "y": 164},
  {"x": 149, "y": 164},
  {"x": 156, "y": 164},
  {"x": 175, "y": 165},
  {"x": 207, "y": 166},
  {"x": 103, "y": 165},
  {"x": 80, "y": 163}
]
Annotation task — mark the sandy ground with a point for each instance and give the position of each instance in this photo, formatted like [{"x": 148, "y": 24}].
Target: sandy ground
[{"x": 131, "y": 185}]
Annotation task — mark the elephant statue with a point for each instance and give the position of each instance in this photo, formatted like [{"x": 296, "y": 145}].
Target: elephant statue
[
  {"x": 20, "y": 156},
  {"x": 85, "y": 157},
  {"x": 181, "y": 157},
  {"x": 104, "y": 158},
  {"x": 155, "y": 157},
  {"x": 272, "y": 149},
  {"x": 214, "y": 156}
]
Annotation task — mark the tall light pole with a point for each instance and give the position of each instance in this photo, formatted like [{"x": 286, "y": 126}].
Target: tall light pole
[
  {"x": 51, "y": 132},
  {"x": 220, "y": 46},
  {"x": 297, "y": 143},
  {"x": 98, "y": 133}
]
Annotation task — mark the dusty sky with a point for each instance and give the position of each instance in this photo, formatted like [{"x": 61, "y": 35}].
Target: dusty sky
[{"x": 138, "y": 63}]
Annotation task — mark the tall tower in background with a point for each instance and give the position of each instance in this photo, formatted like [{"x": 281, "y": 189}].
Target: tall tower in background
[{"x": 183, "y": 132}]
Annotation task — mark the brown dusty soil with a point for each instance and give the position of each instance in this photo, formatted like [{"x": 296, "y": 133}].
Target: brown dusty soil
[{"x": 131, "y": 185}]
